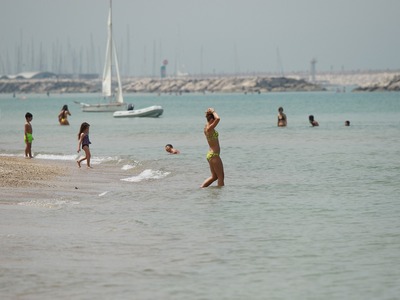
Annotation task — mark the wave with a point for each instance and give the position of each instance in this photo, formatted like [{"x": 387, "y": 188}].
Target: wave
[
  {"x": 56, "y": 157},
  {"x": 147, "y": 175},
  {"x": 127, "y": 167},
  {"x": 95, "y": 160}
]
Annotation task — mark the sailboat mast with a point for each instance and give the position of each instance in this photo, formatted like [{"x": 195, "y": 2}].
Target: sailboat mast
[
  {"x": 112, "y": 41},
  {"x": 107, "y": 74},
  {"x": 111, "y": 52}
]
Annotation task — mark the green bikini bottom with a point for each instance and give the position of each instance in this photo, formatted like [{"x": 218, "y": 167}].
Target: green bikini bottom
[{"x": 211, "y": 154}]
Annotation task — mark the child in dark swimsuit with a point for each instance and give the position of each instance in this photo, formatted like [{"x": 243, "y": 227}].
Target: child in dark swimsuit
[
  {"x": 282, "y": 120},
  {"x": 312, "y": 121},
  {"x": 84, "y": 142}
]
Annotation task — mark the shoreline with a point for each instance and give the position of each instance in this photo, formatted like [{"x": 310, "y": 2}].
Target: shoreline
[
  {"x": 23, "y": 180},
  {"x": 55, "y": 181},
  {"x": 20, "y": 172}
]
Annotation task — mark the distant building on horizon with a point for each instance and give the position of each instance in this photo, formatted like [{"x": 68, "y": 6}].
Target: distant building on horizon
[{"x": 313, "y": 70}]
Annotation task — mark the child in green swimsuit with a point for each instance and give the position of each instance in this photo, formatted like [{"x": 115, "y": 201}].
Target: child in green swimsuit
[{"x": 28, "y": 138}]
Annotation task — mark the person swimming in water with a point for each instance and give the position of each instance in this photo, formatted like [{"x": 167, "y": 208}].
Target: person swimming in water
[
  {"x": 63, "y": 115},
  {"x": 282, "y": 119},
  {"x": 312, "y": 121},
  {"x": 170, "y": 149},
  {"x": 213, "y": 154}
]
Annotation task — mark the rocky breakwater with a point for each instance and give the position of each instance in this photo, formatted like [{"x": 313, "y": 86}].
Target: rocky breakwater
[
  {"x": 219, "y": 85},
  {"x": 165, "y": 85},
  {"x": 391, "y": 85},
  {"x": 43, "y": 86}
]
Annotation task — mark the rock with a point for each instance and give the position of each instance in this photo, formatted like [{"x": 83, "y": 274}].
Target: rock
[
  {"x": 165, "y": 85},
  {"x": 392, "y": 85}
]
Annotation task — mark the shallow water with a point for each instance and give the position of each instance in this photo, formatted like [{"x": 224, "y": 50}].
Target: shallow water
[{"x": 306, "y": 213}]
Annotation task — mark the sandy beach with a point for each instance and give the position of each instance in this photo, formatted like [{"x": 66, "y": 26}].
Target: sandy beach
[
  {"x": 23, "y": 180},
  {"x": 26, "y": 179},
  {"x": 27, "y": 173}
]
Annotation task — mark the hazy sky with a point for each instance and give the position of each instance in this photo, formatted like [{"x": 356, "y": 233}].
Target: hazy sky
[{"x": 202, "y": 35}]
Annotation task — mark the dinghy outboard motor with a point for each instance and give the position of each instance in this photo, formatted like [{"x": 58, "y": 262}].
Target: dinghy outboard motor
[{"x": 130, "y": 106}]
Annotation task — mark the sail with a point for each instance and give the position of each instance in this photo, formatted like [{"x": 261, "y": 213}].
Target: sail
[
  {"x": 117, "y": 102},
  {"x": 108, "y": 63},
  {"x": 119, "y": 97}
]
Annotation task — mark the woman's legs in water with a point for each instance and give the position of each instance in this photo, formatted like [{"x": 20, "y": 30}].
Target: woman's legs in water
[{"x": 217, "y": 172}]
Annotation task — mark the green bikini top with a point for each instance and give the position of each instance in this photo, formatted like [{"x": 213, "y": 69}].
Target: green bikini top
[{"x": 213, "y": 136}]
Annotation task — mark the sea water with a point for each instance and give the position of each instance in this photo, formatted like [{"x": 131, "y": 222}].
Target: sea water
[{"x": 306, "y": 213}]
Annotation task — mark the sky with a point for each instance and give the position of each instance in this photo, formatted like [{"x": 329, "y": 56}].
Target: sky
[{"x": 200, "y": 36}]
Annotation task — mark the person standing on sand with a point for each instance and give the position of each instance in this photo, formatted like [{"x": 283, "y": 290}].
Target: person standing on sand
[
  {"x": 213, "y": 158},
  {"x": 28, "y": 138},
  {"x": 63, "y": 115},
  {"x": 282, "y": 119},
  {"x": 84, "y": 142}
]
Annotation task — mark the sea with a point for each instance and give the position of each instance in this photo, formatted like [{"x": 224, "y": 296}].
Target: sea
[{"x": 305, "y": 213}]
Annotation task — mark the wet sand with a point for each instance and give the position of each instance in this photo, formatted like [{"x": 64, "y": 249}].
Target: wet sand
[
  {"x": 24, "y": 180},
  {"x": 26, "y": 173}
]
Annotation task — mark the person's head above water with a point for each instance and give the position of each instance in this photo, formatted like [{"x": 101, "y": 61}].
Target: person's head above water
[{"x": 170, "y": 149}]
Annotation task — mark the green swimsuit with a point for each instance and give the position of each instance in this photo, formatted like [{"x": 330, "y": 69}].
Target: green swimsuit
[
  {"x": 29, "y": 136},
  {"x": 212, "y": 137}
]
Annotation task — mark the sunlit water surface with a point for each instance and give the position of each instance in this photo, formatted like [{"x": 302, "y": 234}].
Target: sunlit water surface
[{"x": 306, "y": 213}]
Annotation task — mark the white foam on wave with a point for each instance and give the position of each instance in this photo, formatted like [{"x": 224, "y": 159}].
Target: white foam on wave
[
  {"x": 56, "y": 157},
  {"x": 146, "y": 175},
  {"x": 11, "y": 155},
  {"x": 71, "y": 157},
  {"x": 95, "y": 160},
  {"x": 98, "y": 160},
  {"x": 44, "y": 156},
  {"x": 127, "y": 167},
  {"x": 102, "y": 194}
]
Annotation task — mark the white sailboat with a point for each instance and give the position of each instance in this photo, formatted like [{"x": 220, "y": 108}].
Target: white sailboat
[{"x": 117, "y": 102}]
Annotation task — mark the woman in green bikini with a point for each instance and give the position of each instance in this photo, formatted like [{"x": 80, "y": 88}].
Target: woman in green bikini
[{"x": 213, "y": 158}]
